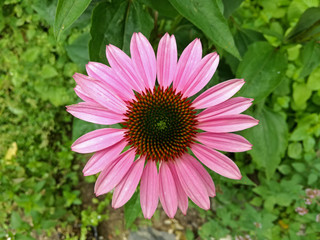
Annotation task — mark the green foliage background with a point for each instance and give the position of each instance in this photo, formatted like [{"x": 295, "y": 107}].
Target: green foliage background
[{"x": 272, "y": 44}]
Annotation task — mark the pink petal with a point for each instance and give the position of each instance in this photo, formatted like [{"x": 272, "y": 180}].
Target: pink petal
[
  {"x": 105, "y": 74},
  {"x": 149, "y": 189},
  {"x": 227, "y": 142},
  {"x": 191, "y": 182},
  {"x": 167, "y": 190},
  {"x": 205, "y": 176},
  {"x": 111, "y": 176},
  {"x": 229, "y": 107},
  {"x": 166, "y": 60},
  {"x": 201, "y": 75},
  {"x": 123, "y": 67},
  {"x": 97, "y": 140},
  {"x": 101, "y": 93},
  {"x": 125, "y": 189},
  {"x": 182, "y": 196},
  {"x": 144, "y": 59},
  {"x": 227, "y": 123},
  {"x": 189, "y": 58},
  {"x": 103, "y": 159},
  {"x": 92, "y": 112},
  {"x": 81, "y": 94},
  {"x": 218, "y": 93},
  {"x": 216, "y": 161}
]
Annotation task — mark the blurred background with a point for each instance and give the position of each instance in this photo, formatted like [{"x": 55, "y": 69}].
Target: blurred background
[{"x": 272, "y": 44}]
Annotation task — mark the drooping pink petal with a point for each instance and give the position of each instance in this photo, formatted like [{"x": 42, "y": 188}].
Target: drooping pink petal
[
  {"x": 106, "y": 74},
  {"x": 123, "y": 67},
  {"x": 166, "y": 60},
  {"x": 192, "y": 183},
  {"x": 205, "y": 176},
  {"x": 125, "y": 189},
  {"x": 216, "y": 161},
  {"x": 143, "y": 59},
  {"x": 231, "y": 106},
  {"x": 97, "y": 140},
  {"x": 201, "y": 75},
  {"x": 111, "y": 176},
  {"x": 189, "y": 58},
  {"x": 104, "y": 158},
  {"x": 81, "y": 94},
  {"x": 227, "y": 123},
  {"x": 227, "y": 142},
  {"x": 149, "y": 189},
  {"x": 218, "y": 94},
  {"x": 92, "y": 112},
  {"x": 167, "y": 190},
  {"x": 101, "y": 93},
  {"x": 182, "y": 196}
]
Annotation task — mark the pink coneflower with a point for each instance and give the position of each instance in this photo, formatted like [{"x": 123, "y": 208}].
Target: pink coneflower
[{"x": 159, "y": 124}]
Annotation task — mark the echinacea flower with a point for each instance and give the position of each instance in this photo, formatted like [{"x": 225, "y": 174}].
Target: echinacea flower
[{"x": 160, "y": 124}]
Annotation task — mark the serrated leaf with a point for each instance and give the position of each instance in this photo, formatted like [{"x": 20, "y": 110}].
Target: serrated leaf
[
  {"x": 263, "y": 68},
  {"x": 206, "y": 15},
  {"x": 68, "y": 11},
  {"x": 269, "y": 139},
  {"x": 115, "y": 23}
]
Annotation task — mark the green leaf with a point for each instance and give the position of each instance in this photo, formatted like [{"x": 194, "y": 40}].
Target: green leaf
[
  {"x": 295, "y": 150},
  {"x": 299, "y": 167},
  {"x": 308, "y": 26},
  {"x": 263, "y": 68},
  {"x": 212, "y": 228},
  {"x": 16, "y": 221},
  {"x": 163, "y": 7},
  {"x": 269, "y": 139},
  {"x": 301, "y": 94},
  {"x": 115, "y": 23},
  {"x": 312, "y": 178},
  {"x": 132, "y": 209},
  {"x": 68, "y": 11},
  {"x": 46, "y": 9},
  {"x": 313, "y": 82},
  {"x": 205, "y": 15},
  {"x": 230, "y": 6},
  {"x": 78, "y": 51},
  {"x": 310, "y": 58}
]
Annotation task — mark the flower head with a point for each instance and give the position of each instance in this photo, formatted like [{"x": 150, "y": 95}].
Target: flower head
[{"x": 149, "y": 97}]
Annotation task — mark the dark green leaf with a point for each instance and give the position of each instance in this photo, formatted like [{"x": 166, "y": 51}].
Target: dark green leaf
[
  {"x": 230, "y": 6},
  {"x": 206, "y": 15},
  {"x": 78, "y": 51},
  {"x": 269, "y": 139},
  {"x": 308, "y": 26},
  {"x": 68, "y": 11},
  {"x": 132, "y": 209},
  {"x": 163, "y": 7},
  {"x": 310, "y": 54},
  {"x": 243, "y": 39},
  {"x": 115, "y": 23},
  {"x": 46, "y": 9},
  {"x": 263, "y": 67}
]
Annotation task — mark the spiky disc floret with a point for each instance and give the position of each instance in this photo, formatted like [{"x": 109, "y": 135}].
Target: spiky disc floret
[{"x": 160, "y": 124}]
